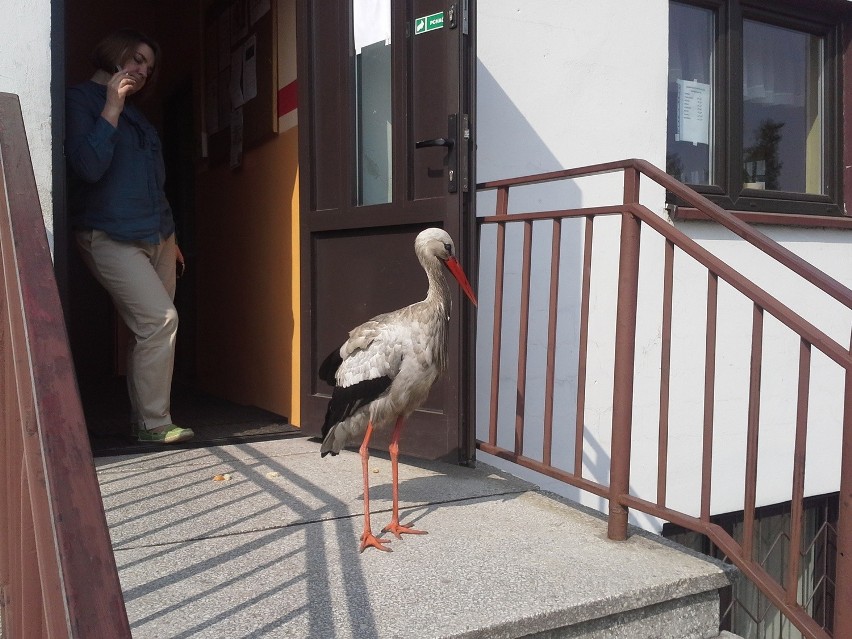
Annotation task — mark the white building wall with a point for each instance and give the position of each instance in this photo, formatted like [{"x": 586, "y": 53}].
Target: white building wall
[
  {"x": 25, "y": 71},
  {"x": 569, "y": 84}
]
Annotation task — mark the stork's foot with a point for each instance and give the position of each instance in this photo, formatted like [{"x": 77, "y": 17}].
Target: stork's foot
[
  {"x": 369, "y": 539},
  {"x": 399, "y": 530}
]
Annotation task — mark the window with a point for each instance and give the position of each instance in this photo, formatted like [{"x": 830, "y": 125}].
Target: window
[
  {"x": 754, "y": 103},
  {"x": 373, "y": 101}
]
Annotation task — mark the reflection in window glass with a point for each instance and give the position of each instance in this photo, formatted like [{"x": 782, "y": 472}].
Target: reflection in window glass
[
  {"x": 782, "y": 109},
  {"x": 689, "y": 138},
  {"x": 373, "y": 122}
]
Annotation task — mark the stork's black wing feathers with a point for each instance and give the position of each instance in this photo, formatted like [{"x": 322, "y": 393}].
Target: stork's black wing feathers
[
  {"x": 345, "y": 401},
  {"x": 329, "y": 367}
]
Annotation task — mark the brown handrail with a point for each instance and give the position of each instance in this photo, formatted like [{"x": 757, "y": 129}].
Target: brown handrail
[
  {"x": 617, "y": 491},
  {"x": 58, "y": 576},
  {"x": 716, "y": 213}
]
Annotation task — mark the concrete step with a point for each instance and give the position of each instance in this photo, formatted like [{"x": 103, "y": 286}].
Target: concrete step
[
  {"x": 694, "y": 617},
  {"x": 273, "y": 552}
]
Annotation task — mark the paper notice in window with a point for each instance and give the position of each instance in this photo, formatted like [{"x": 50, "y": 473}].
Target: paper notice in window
[{"x": 693, "y": 112}]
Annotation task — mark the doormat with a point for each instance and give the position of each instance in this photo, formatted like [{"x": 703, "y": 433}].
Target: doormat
[{"x": 214, "y": 420}]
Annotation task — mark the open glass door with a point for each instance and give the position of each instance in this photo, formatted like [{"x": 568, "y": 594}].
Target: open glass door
[{"x": 386, "y": 142}]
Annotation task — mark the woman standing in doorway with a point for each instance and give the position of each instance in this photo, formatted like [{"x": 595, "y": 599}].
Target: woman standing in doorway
[{"x": 123, "y": 222}]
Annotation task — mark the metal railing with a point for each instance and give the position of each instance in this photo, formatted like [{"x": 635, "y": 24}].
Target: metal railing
[
  {"x": 617, "y": 490},
  {"x": 58, "y": 576}
]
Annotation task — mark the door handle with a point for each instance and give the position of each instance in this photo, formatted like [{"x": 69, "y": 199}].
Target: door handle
[
  {"x": 451, "y": 157},
  {"x": 447, "y": 142}
]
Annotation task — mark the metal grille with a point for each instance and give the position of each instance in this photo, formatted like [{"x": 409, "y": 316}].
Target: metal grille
[{"x": 746, "y": 611}]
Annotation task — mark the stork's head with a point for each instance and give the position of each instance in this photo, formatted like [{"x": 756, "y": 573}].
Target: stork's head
[{"x": 437, "y": 244}]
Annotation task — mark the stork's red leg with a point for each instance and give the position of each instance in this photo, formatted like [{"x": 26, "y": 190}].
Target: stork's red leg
[
  {"x": 394, "y": 526},
  {"x": 367, "y": 537}
]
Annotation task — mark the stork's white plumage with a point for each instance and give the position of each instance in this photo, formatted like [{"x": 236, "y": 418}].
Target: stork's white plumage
[{"x": 384, "y": 371}]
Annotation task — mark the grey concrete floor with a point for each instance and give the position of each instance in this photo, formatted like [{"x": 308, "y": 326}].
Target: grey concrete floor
[{"x": 273, "y": 551}]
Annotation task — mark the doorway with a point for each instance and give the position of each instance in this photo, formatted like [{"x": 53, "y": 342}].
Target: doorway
[
  {"x": 233, "y": 371},
  {"x": 387, "y": 138}
]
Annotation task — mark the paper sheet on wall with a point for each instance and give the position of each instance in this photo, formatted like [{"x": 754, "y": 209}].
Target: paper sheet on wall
[
  {"x": 236, "y": 138},
  {"x": 693, "y": 112},
  {"x": 224, "y": 100},
  {"x": 257, "y": 9},
  {"x": 235, "y": 86},
  {"x": 249, "y": 50},
  {"x": 243, "y": 84},
  {"x": 239, "y": 21},
  {"x": 211, "y": 105},
  {"x": 223, "y": 38}
]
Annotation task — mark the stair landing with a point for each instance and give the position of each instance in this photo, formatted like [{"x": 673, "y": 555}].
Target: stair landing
[{"x": 273, "y": 552}]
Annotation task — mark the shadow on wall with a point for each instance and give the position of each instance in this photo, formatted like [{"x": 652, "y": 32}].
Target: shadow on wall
[{"x": 509, "y": 146}]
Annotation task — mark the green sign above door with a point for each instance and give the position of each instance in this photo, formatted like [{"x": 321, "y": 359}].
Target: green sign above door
[{"x": 428, "y": 23}]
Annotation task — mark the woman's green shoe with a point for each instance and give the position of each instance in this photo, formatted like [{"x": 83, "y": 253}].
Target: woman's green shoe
[{"x": 171, "y": 434}]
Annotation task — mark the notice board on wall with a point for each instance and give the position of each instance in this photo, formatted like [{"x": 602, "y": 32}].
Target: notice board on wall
[{"x": 240, "y": 76}]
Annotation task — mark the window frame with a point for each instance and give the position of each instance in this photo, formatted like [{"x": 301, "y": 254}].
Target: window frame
[{"x": 823, "y": 20}]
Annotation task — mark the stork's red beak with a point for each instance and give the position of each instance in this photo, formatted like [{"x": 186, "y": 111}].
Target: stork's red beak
[{"x": 456, "y": 269}]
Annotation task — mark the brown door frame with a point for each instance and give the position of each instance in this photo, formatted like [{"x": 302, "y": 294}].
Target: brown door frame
[
  {"x": 61, "y": 225},
  {"x": 321, "y": 221}
]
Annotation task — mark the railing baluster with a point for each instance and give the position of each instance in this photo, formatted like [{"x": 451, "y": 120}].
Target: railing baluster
[
  {"x": 497, "y": 337},
  {"x": 843, "y": 594},
  {"x": 799, "y": 455},
  {"x": 625, "y": 350},
  {"x": 553, "y": 307},
  {"x": 583, "y": 347},
  {"x": 523, "y": 336},
  {"x": 709, "y": 394},
  {"x": 665, "y": 373},
  {"x": 753, "y": 430}
]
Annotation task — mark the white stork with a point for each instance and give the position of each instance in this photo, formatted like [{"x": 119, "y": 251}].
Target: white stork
[{"x": 384, "y": 371}]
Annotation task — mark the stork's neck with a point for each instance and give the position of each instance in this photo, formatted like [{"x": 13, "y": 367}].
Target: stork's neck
[{"x": 438, "y": 296}]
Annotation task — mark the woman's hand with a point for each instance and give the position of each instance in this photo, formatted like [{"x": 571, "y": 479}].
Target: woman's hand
[
  {"x": 180, "y": 261},
  {"x": 119, "y": 86}
]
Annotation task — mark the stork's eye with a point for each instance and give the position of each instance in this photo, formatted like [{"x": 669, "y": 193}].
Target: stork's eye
[{"x": 449, "y": 248}]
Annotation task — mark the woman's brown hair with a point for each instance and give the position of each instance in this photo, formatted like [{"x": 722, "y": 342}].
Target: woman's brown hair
[{"x": 119, "y": 46}]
